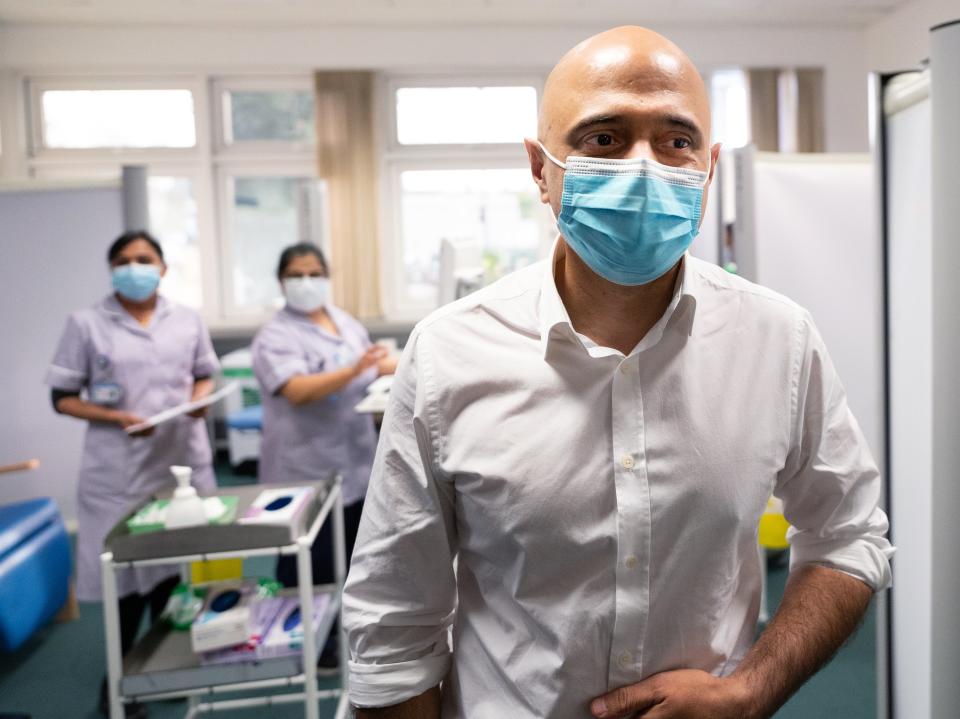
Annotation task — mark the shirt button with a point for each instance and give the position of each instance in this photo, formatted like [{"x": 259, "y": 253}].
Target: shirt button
[
  {"x": 631, "y": 562},
  {"x": 624, "y": 659},
  {"x": 624, "y": 367},
  {"x": 627, "y": 461}
]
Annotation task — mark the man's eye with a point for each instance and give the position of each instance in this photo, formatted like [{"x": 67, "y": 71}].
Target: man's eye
[
  {"x": 681, "y": 143},
  {"x": 604, "y": 140}
]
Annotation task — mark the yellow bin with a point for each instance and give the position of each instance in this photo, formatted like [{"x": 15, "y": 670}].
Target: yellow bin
[
  {"x": 774, "y": 526},
  {"x": 216, "y": 570}
]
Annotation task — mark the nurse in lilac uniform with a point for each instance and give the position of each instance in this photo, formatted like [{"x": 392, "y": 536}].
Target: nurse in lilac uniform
[
  {"x": 314, "y": 362},
  {"x": 128, "y": 357}
]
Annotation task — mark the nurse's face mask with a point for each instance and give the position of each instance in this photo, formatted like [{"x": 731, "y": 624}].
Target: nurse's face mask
[
  {"x": 136, "y": 281},
  {"x": 629, "y": 220},
  {"x": 306, "y": 294}
]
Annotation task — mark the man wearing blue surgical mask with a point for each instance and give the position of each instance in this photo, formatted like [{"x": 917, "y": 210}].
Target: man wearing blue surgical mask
[{"x": 596, "y": 437}]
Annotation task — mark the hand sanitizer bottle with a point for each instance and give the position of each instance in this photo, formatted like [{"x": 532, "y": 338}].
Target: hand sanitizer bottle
[{"x": 186, "y": 508}]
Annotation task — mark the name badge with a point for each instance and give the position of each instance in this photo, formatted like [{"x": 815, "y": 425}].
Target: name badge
[{"x": 106, "y": 393}]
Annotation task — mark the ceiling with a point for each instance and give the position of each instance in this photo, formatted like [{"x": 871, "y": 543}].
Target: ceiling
[{"x": 278, "y": 13}]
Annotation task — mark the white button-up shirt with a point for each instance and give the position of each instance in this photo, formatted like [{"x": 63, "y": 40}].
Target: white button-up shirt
[{"x": 603, "y": 508}]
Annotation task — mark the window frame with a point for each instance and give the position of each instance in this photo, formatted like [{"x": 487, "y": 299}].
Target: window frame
[
  {"x": 36, "y": 85},
  {"x": 207, "y": 163},
  {"x": 407, "y": 308},
  {"x": 396, "y": 158},
  {"x": 398, "y": 81},
  {"x": 221, "y": 86},
  {"x": 232, "y": 315}
]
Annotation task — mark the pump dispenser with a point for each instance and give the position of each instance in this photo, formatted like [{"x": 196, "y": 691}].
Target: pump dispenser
[{"x": 186, "y": 508}]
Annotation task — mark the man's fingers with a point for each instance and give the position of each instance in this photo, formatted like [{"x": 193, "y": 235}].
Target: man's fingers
[{"x": 624, "y": 701}]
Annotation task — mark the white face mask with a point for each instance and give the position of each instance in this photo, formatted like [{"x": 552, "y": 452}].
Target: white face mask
[{"x": 306, "y": 294}]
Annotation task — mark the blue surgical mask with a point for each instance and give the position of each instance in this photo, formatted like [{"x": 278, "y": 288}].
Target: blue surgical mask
[
  {"x": 136, "y": 281},
  {"x": 630, "y": 220}
]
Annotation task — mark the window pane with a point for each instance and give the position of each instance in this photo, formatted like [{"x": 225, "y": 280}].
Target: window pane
[
  {"x": 269, "y": 213},
  {"x": 173, "y": 220},
  {"x": 731, "y": 110},
  {"x": 465, "y": 115},
  {"x": 498, "y": 209},
  {"x": 286, "y": 116},
  {"x": 78, "y": 119}
]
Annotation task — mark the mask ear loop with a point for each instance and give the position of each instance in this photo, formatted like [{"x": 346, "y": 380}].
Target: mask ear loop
[{"x": 555, "y": 161}]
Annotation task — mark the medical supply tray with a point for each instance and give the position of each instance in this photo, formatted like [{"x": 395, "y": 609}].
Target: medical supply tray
[{"x": 128, "y": 546}]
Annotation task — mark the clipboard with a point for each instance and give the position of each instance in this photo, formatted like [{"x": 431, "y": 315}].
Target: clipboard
[{"x": 182, "y": 409}]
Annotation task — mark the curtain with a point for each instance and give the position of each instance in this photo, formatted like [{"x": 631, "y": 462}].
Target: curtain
[
  {"x": 347, "y": 164},
  {"x": 810, "y": 130},
  {"x": 798, "y": 113},
  {"x": 764, "y": 108}
]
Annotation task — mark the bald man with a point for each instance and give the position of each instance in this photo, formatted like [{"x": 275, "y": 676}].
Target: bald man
[{"x": 594, "y": 439}]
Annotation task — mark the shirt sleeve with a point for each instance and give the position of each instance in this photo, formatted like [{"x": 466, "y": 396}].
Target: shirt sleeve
[
  {"x": 277, "y": 357},
  {"x": 400, "y": 595},
  {"x": 830, "y": 485},
  {"x": 70, "y": 368},
  {"x": 205, "y": 362}
]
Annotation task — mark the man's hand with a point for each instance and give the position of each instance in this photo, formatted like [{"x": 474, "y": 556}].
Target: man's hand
[
  {"x": 820, "y": 608},
  {"x": 680, "y": 694}
]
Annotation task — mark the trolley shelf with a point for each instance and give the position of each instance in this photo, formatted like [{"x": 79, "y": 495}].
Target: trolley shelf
[
  {"x": 189, "y": 543},
  {"x": 163, "y": 665},
  {"x": 163, "y": 662}
]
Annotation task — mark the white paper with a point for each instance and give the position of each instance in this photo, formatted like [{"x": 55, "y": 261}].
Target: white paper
[
  {"x": 380, "y": 385},
  {"x": 181, "y": 409},
  {"x": 375, "y": 403}
]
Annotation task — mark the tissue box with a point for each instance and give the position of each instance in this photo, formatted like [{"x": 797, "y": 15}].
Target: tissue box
[
  {"x": 263, "y": 614},
  {"x": 277, "y": 506},
  {"x": 226, "y": 618},
  {"x": 285, "y": 637}
]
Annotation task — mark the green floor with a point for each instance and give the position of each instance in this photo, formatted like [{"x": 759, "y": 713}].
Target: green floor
[{"x": 57, "y": 674}]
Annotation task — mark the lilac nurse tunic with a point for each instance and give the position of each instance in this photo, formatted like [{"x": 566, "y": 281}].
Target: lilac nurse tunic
[
  {"x": 152, "y": 368},
  {"x": 307, "y": 442}
]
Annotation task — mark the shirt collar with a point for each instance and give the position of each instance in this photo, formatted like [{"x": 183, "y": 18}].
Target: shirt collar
[
  {"x": 111, "y": 306},
  {"x": 335, "y": 313},
  {"x": 555, "y": 322}
]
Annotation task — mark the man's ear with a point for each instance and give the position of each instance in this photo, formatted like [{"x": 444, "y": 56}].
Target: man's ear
[
  {"x": 714, "y": 159},
  {"x": 535, "y": 155}
]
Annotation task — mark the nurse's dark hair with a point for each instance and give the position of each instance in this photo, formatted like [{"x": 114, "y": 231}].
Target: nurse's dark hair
[
  {"x": 299, "y": 250},
  {"x": 132, "y": 236}
]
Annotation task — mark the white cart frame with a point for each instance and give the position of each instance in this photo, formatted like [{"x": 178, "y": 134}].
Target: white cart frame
[{"x": 310, "y": 695}]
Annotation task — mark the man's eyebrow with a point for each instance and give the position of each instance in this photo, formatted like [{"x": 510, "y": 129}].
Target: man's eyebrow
[
  {"x": 588, "y": 122},
  {"x": 674, "y": 121},
  {"x": 683, "y": 123}
]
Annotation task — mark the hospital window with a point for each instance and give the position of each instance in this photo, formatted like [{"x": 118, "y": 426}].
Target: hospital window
[
  {"x": 251, "y": 115},
  {"x": 730, "y": 105},
  {"x": 466, "y": 210},
  {"x": 495, "y": 211},
  {"x": 173, "y": 216},
  {"x": 117, "y": 118},
  {"x": 232, "y": 172},
  {"x": 266, "y": 214},
  {"x": 465, "y": 115}
]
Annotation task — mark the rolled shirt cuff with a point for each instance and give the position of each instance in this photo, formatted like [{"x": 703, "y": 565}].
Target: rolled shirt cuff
[
  {"x": 64, "y": 378},
  {"x": 383, "y": 685},
  {"x": 279, "y": 375},
  {"x": 867, "y": 559},
  {"x": 206, "y": 366}
]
